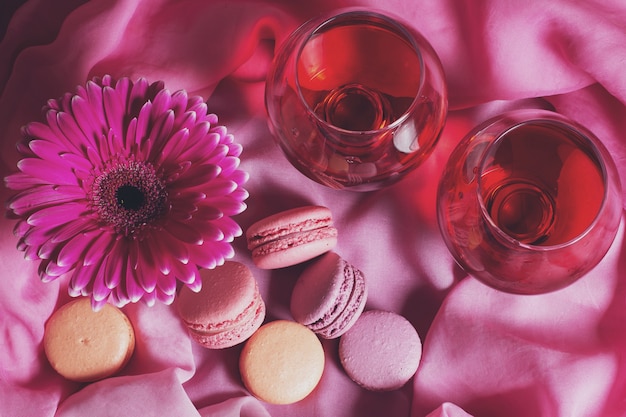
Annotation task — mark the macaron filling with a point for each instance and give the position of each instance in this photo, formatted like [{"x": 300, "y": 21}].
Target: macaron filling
[
  {"x": 289, "y": 240},
  {"x": 233, "y": 336}
]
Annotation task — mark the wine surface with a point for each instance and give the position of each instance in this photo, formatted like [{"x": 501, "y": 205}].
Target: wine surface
[
  {"x": 358, "y": 77},
  {"x": 541, "y": 186}
]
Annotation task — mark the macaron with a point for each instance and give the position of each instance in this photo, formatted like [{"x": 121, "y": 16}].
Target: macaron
[
  {"x": 85, "y": 345},
  {"x": 227, "y": 309},
  {"x": 381, "y": 352},
  {"x": 291, "y": 237},
  {"x": 329, "y": 296},
  {"x": 282, "y": 362}
]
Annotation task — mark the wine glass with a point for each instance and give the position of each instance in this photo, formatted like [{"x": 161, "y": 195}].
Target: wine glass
[
  {"x": 356, "y": 100},
  {"x": 529, "y": 201}
]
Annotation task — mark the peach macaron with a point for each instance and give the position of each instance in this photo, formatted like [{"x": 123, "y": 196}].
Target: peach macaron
[
  {"x": 282, "y": 363},
  {"x": 85, "y": 345}
]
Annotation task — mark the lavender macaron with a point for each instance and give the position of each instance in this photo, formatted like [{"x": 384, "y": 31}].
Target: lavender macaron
[
  {"x": 381, "y": 352},
  {"x": 329, "y": 296}
]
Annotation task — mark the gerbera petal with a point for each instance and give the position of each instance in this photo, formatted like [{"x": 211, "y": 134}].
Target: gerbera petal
[
  {"x": 81, "y": 276},
  {"x": 21, "y": 181},
  {"x": 99, "y": 246},
  {"x": 47, "y": 171},
  {"x": 162, "y": 103},
  {"x": 235, "y": 149},
  {"x": 178, "y": 103},
  {"x": 58, "y": 136},
  {"x": 56, "y": 215},
  {"x": 72, "y": 252},
  {"x": 206, "y": 256},
  {"x": 87, "y": 121},
  {"x": 37, "y": 236},
  {"x": 137, "y": 97},
  {"x": 207, "y": 213},
  {"x": 167, "y": 244},
  {"x": 150, "y": 298},
  {"x": 165, "y": 298},
  {"x": 81, "y": 166},
  {"x": 142, "y": 130},
  {"x": 94, "y": 96},
  {"x": 210, "y": 233},
  {"x": 115, "y": 265},
  {"x": 197, "y": 176},
  {"x": 229, "y": 228},
  {"x": 160, "y": 134},
  {"x": 72, "y": 228},
  {"x": 100, "y": 291},
  {"x": 229, "y": 164},
  {"x": 70, "y": 128},
  {"x": 184, "y": 273},
  {"x": 133, "y": 290},
  {"x": 239, "y": 176},
  {"x": 184, "y": 232},
  {"x": 196, "y": 284},
  {"x": 114, "y": 107},
  {"x": 218, "y": 155},
  {"x": 131, "y": 134},
  {"x": 145, "y": 276},
  {"x": 166, "y": 284},
  {"x": 55, "y": 270},
  {"x": 43, "y": 196},
  {"x": 96, "y": 304},
  {"x": 173, "y": 147},
  {"x": 227, "y": 204}
]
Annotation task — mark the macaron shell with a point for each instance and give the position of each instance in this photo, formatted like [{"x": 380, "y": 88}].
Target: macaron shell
[
  {"x": 329, "y": 296},
  {"x": 294, "y": 249},
  {"x": 84, "y": 345},
  {"x": 287, "y": 222},
  {"x": 282, "y": 362},
  {"x": 238, "y": 333},
  {"x": 381, "y": 352},
  {"x": 227, "y": 309},
  {"x": 291, "y": 237}
]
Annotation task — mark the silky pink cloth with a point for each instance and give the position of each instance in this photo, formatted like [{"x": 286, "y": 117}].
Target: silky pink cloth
[{"x": 486, "y": 353}]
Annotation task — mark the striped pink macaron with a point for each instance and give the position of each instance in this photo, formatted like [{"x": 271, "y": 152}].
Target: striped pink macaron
[
  {"x": 291, "y": 237},
  {"x": 227, "y": 310}
]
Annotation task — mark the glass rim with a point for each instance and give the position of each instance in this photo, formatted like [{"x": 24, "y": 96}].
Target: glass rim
[
  {"x": 386, "y": 22},
  {"x": 599, "y": 153}
]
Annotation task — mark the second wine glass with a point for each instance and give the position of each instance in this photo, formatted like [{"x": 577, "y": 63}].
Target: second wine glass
[
  {"x": 356, "y": 100},
  {"x": 529, "y": 201}
]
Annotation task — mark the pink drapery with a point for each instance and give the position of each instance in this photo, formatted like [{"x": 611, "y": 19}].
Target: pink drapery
[{"x": 485, "y": 353}]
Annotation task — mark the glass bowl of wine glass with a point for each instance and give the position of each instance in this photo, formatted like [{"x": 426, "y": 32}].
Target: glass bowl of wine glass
[
  {"x": 529, "y": 201},
  {"x": 356, "y": 100}
]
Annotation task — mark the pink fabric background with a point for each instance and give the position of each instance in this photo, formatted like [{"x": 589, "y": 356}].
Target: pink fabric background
[{"x": 486, "y": 353}]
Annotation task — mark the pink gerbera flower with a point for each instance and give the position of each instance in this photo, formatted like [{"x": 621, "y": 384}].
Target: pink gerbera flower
[{"x": 127, "y": 189}]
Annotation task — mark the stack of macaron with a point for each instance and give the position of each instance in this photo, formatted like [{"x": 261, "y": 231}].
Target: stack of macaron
[
  {"x": 282, "y": 361},
  {"x": 379, "y": 350}
]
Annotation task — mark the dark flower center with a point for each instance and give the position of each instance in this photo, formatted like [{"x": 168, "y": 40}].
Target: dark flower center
[{"x": 129, "y": 196}]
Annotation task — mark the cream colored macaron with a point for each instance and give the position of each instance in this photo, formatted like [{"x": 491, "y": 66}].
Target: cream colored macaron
[
  {"x": 282, "y": 362},
  {"x": 85, "y": 345}
]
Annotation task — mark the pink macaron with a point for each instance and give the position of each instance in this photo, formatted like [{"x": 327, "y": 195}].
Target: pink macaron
[
  {"x": 381, "y": 352},
  {"x": 291, "y": 237},
  {"x": 329, "y": 296},
  {"x": 227, "y": 310}
]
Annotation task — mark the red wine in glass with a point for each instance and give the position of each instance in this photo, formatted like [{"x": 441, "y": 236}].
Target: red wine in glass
[
  {"x": 356, "y": 100},
  {"x": 529, "y": 202}
]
